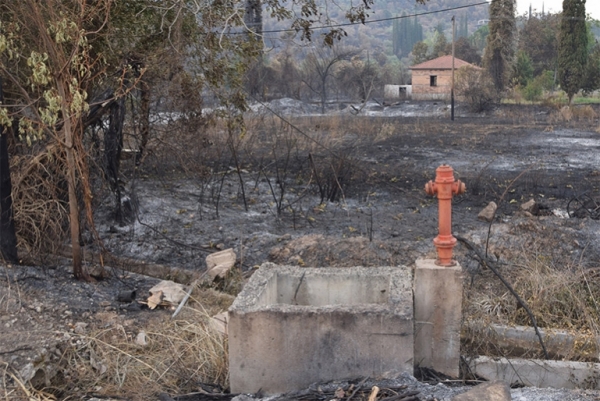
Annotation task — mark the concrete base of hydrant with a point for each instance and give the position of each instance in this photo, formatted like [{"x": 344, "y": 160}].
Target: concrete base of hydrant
[{"x": 438, "y": 306}]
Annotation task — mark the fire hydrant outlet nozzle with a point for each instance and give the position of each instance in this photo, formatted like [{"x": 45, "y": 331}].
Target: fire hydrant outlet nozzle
[{"x": 445, "y": 187}]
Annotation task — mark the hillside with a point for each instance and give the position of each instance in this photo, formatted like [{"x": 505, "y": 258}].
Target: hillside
[{"x": 378, "y": 35}]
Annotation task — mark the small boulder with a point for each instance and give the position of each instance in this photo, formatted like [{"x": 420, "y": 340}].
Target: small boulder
[
  {"x": 488, "y": 213},
  {"x": 491, "y": 391},
  {"x": 530, "y": 207},
  {"x": 220, "y": 263},
  {"x": 141, "y": 339}
]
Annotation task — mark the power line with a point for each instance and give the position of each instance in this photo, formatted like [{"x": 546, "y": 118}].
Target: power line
[{"x": 375, "y": 20}]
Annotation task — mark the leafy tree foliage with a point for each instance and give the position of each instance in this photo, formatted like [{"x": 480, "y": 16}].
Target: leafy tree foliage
[
  {"x": 440, "y": 44},
  {"x": 539, "y": 40},
  {"x": 45, "y": 53},
  {"x": 572, "y": 48},
  {"x": 523, "y": 69},
  {"x": 479, "y": 37},
  {"x": 499, "y": 50},
  {"x": 419, "y": 52},
  {"x": 591, "y": 79},
  {"x": 464, "y": 51}
]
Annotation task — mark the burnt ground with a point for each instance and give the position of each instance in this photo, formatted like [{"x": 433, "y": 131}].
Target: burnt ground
[{"x": 380, "y": 214}]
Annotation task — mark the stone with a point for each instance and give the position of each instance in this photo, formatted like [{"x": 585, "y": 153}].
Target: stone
[
  {"x": 492, "y": 391},
  {"x": 141, "y": 339},
  {"x": 171, "y": 293},
  {"x": 219, "y": 323},
  {"x": 218, "y": 264},
  {"x": 530, "y": 207},
  {"x": 80, "y": 327},
  {"x": 488, "y": 213}
]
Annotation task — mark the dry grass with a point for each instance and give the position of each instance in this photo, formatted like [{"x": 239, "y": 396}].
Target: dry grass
[
  {"x": 561, "y": 292},
  {"x": 585, "y": 114},
  {"x": 180, "y": 354}
]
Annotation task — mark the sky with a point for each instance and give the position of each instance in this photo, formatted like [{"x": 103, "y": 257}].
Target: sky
[{"x": 591, "y": 6}]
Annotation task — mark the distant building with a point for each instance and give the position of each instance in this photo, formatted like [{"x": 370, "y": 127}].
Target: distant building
[
  {"x": 483, "y": 22},
  {"x": 397, "y": 92},
  {"x": 433, "y": 79}
]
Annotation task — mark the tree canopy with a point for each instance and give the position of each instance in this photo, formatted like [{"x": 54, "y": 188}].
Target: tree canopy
[
  {"x": 499, "y": 50},
  {"x": 64, "y": 61},
  {"x": 572, "y": 47}
]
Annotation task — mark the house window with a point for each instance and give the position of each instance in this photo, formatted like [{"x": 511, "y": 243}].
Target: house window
[{"x": 433, "y": 80}]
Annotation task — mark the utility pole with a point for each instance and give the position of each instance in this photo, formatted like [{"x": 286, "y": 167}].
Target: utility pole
[{"x": 452, "y": 89}]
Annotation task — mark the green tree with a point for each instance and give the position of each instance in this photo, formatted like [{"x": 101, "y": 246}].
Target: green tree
[
  {"x": 47, "y": 57},
  {"x": 419, "y": 52},
  {"x": 439, "y": 44},
  {"x": 591, "y": 79},
  {"x": 523, "y": 69},
  {"x": 539, "y": 40},
  {"x": 463, "y": 27},
  {"x": 405, "y": 33},
  {"x": 464, "y": 51},
  {"x": 499, "y": 50},
  {"x": 479, "y": 37},
  {"x": 572, "y": 47}
]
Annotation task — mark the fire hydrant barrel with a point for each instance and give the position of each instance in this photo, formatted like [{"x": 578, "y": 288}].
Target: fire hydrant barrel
[{"x": 445, "y": 187}]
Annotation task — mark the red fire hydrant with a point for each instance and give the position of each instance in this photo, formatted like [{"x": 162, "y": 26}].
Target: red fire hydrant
[{"x": 445, "y": 186}]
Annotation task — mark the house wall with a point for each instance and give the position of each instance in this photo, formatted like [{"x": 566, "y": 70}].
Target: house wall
[{"x": 422, "y": 90}]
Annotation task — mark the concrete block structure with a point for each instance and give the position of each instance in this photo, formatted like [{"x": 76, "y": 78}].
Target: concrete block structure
[
  {"x": 432, "y": 80},
  {"x": 397, "y": 92},
  {"x": 438, "y": 309},
  {"x": 291, "y": 326}
]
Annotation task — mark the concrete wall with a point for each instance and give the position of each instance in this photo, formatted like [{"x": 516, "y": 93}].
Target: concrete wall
[
  {"x": 291, "y": 326},
  {"x": 397, "y": 92},
  {"x": 421, "y": 84},
  {"x": 538, "y": 373}
]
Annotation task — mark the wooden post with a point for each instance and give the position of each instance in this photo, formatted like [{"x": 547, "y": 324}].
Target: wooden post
[
  {"x": 8, "y": 238},
  {"x": 452, "y": 89}
]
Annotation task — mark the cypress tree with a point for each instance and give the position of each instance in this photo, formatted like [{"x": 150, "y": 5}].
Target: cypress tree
[
  {"x": 396, "y": 37},
  {"x": 404, "y": 31},
  {"x": 500, "y": 47},
  {"x": 572, "y": 47}
]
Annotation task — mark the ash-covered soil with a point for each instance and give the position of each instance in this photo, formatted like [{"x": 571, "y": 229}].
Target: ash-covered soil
[{"x": 380, "y": 215}]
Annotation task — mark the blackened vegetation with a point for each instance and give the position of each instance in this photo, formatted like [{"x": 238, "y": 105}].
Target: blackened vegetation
[
  {"x": 8, "y": 238},
  {"x": 583, "y": 206},
  {"x": 113, "y": 104},
  {"x": 113, "y": 146}
]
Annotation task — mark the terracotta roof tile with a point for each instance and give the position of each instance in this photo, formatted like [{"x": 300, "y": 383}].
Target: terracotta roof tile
[{"x": 442, "y": 63}]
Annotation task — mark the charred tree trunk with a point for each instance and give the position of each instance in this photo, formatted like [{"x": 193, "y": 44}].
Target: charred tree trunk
[
  {"x": 144, "y": 119},
  {"x": 113, "y": 145},
  {"x": 8, "y": 238}
]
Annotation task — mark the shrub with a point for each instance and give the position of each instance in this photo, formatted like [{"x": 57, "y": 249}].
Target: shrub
[
  {"x": 476, "y": 88},
  {"x": 532, "y": 91}
]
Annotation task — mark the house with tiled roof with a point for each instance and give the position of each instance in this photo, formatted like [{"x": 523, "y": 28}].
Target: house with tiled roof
[{"x": 433, "y": 79}]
